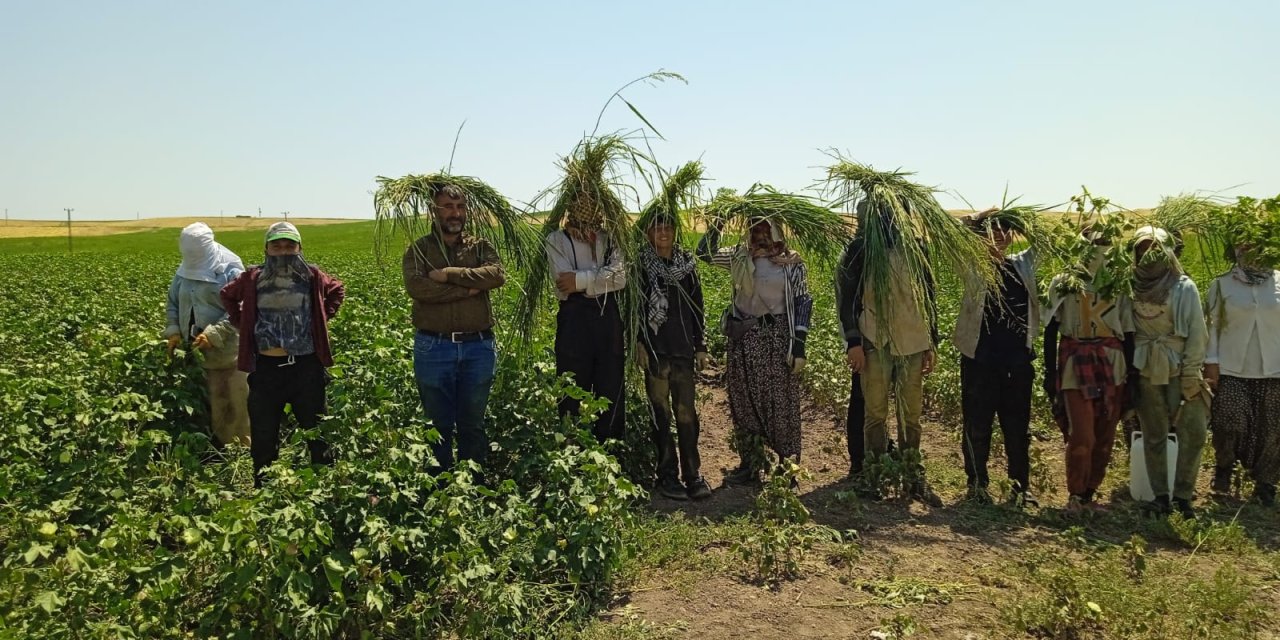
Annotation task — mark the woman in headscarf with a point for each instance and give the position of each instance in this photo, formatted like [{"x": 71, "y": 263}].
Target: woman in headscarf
[
  {"x": 1244, "y": 365},
  {"x": 766, "y": 329},
  {"x": 1085, "y": 372},
  {"x": 195, "y": 315},
  {"x": 1167, "y": 381}
]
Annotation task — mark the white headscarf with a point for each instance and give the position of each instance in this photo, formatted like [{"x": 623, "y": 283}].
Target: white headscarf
[{"x": 202, "y": 258}]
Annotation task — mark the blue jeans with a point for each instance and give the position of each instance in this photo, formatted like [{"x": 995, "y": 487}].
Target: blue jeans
[{"x": 454, "y": 379}]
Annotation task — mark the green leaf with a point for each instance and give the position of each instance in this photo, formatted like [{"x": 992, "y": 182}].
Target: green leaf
[
  {"x": 48, "y": 529},
  {"x": 50, "y": 601},
  {"x": 37, "y": 551}
]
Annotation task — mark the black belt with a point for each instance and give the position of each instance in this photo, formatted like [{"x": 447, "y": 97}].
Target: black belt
[{"x": 460, "y": 336}]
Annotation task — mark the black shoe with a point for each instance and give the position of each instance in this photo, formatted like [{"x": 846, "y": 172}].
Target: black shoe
[
  {"x": 671, "y": 488},
  {"x": 744, "y": 475},
  {"x": 698, "y": 489},
  {"x": 1020, "y": 498},
  {"x": 1264, "y": 494},
  {"x": 921, "y": 492},
  {"x": 1157, "y": 508},
  {"x": 978, "y": 495},
  {"x": 1184, "y": 507},
  {"x": 1221, "y": 481}
]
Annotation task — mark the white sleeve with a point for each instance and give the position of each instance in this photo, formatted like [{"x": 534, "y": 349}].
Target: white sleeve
[{"x": 607, "y": 278}]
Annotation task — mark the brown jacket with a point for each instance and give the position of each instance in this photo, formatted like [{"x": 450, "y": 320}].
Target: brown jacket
[{"x": 471, "y": 264}]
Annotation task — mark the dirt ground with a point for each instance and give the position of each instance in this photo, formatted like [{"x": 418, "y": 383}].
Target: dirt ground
[
  {"x": 960, "y": 546},
  {"x": 53, "y": 228}
]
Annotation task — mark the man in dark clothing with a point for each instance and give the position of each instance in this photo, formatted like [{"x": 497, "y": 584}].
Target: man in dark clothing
[
  {"x": 995, "y": 340},
  {"x": 673, "y": 342},
  {"x": 282, "y": 309}
]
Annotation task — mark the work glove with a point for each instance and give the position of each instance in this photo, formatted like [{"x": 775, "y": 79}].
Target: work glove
[
  {"x": 702, "y": 360},
  {"x": 202, "y": 343},
  {"x": 172, "y": 343}
]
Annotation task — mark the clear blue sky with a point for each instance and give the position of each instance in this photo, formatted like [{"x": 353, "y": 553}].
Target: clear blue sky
[{"x": 168, "y": 108}]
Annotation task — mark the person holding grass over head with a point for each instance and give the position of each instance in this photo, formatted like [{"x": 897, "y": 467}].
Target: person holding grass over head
[
  {"x": 890, "y": 337},
  {"x": 1244, "y": 367},
  {"x": 1169, "y": 391},
  {"x": 589, "y": 272},
  {"x": 766, "y": 328},
  {"x": 282, "y": 309},
  {"x": 996, "y": 338},
  {"x": 195, "y": 313},
  {"x": 1085, "y": 372},
  {"x": 449, "y": 274},
  {"x": 673, "y": 344}
]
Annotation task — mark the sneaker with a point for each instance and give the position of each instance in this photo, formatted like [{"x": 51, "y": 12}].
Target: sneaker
[
  {"x": 1075, "y": 505},
  {"x": 924, "y": 494},
  {"x": 671, "y": 488},
  {"x": 1264, "y": 494},
  {"x": 1184, "y": 507},
  {"x": 1157, "y": 508},
  {"x": 978, "y": 495},
  {"x": 698, "y": 489},
  {"x": 1221, "y": 484},
  {"x": 744, "y": 475}
]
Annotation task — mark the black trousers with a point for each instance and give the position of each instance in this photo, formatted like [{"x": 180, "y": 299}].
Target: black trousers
[
  {"x": 986, "y": 392},
  {"x": 590, "y": 345},
  {"x": 853, "y": 426},
  {"x": 669, "y": 383},
  {"x": 297, "y": 381}
]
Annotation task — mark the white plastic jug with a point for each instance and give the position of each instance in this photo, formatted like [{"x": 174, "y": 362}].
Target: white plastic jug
[{"x": 1139, "y": 483}]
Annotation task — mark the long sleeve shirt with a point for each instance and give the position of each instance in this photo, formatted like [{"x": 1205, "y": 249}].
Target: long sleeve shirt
[
  {"x": 851, "y": 297},
  {"x": 792, "y": 289},
  {"x": 598, "y": 268},
  {"x": 1244, "y": 327},
  {"x": 1170, "y": 339},
  {"x": 976, "y": 314},
  {"x": 471, "y": 264},
  {"x": 684, "y": 332}
]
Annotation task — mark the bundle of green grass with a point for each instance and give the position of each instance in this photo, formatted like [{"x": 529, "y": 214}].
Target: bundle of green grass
[
  {"x": 403, "y": 209},
  {"x": 895, "y": 214}
]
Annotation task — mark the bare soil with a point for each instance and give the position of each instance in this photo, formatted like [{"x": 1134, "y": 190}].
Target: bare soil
[{"x": 960, "y": 547}]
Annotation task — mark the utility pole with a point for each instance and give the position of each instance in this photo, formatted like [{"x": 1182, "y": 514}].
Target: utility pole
[
  {"x": 6, "y": 216},
  {"x": 69, "y": 249},
  {"x": 286, "y": 215},
  {"x": 259, "y": 212}
]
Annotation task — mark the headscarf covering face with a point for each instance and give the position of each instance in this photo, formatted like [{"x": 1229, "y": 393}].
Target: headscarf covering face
[
  {"x": 1158, "y": 270},
  {"x": 584, "y": 217},
  {"x": 742, "y": 268},
  {"x": 203, "y": 259}
]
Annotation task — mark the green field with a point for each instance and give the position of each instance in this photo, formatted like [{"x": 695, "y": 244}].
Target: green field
[{"x": 121, "y": 520}]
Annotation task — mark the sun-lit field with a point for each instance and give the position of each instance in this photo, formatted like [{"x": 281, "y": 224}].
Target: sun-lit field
[
  {"x": 121, "y": 520},
  {"x": 53, "y": 228}
]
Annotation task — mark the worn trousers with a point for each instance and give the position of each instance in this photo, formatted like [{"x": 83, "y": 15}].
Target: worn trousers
[
  {"x": 1158, "y": 406},
  {"x": 855, "y": 420},
  {"x": 589, "y": 345},
  {"x": 228, "y": 405},
  {"x": 987, "y": 392},
  {"x": 669, "y": 383},
  {"x": 1091, "y": 435},
  {"x": 454, "y": 380},
  {"x": 903, "y": 377},
  {"x": 296, "y": 381}
]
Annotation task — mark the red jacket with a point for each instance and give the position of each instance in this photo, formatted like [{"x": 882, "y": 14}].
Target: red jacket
[{"x": 240, "y": 298}]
